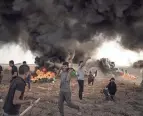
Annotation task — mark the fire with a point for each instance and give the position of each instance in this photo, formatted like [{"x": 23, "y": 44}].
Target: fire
[
  {"x": 43, "y": 74},
  {"x": 128, "y": 76},
  {"x": 114, "y": 51}
]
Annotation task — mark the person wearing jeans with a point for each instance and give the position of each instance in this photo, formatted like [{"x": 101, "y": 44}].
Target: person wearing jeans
[{"x": 80, "y": 77}]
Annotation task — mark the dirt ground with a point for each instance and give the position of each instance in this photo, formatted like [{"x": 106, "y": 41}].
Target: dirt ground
[{"x": 129, "y": 99}]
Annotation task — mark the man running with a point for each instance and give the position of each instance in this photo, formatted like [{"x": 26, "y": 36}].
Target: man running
[
  {"x": 80, "y": 77},
  {"x": 65, "y": 92},
  {"x": 14, "y": 71},
  {"x": 28, "y": 79},
  {"x": 15, "y": 95}
]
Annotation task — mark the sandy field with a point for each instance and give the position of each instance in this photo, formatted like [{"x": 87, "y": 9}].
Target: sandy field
[{"x": 129, "y": 98}]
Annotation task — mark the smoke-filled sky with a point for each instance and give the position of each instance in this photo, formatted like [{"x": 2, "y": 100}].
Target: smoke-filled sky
[
  {"x": 51, "y": 27},
  {"x": 117, "y": 53},
  {"x": 15, "y": 52}
]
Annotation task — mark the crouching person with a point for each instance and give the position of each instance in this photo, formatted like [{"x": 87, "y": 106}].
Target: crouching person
[{"x": 110, "y": 90}]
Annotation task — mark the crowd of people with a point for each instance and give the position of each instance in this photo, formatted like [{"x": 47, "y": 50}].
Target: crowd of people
[
  {"x": 20, "y": 77},
  {"x": 65, "y": 92}
]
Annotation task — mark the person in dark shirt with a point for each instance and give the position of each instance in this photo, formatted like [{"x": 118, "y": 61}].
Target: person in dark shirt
[
  {"x": 28, "y": 79},
  {"x": 1, "y": 73},
  {"x": 90, "y": 78},
  {"x": 110, "y": 89},
  {"x": 15, "y": 95},
  {"x": 14, "y": 71},
  {"x": 1, "y": 76}
]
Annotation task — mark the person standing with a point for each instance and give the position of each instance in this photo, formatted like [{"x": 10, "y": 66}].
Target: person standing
[
  {"x": 1, "y": 77},
  {"x": 90, "y": 78},
  {"x": 14, "y": 98},
  {"x": 70, "y": 57},
  {"x": 80, "y": 77},
  {"x": 28, "y": 79},
  {"x": 1, "y": 74},
  {"x": 65, "y": 91},
  {"x": 141, "y": 71},
  {"x": 14, "y": 71}
]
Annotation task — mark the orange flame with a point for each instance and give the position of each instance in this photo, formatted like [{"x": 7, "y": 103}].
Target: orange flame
[
  {"x": 41, "y": 75},
  {"x": 128, "y": 76}
]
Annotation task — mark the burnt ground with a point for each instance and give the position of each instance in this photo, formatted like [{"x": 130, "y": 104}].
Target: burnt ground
[{"x": 129, "y": 99}]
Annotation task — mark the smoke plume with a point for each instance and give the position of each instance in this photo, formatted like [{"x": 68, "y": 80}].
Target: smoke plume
[{"x": 52, "y": 27}]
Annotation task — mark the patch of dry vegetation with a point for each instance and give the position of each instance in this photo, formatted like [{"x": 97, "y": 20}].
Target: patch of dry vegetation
[{"x": 129, "y": 100}]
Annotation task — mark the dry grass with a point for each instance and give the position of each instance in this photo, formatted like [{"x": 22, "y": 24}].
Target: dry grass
[{"x": 129, "y": 100}]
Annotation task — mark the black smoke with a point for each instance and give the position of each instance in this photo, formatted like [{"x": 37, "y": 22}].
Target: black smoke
[{"x": 55, "y": 26}]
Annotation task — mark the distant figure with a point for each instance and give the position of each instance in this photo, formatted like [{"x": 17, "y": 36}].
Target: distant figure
[
  {"x": 122, "y": 70},
  {"x": 95, "y": 74},
  {"x": 14, "y": 98},
  {"x": 80, "y": 77},
  {"x": 70, "y": 58},
  {"x": 65, "y": 91},
  {"x": 28, "y": 79},
  {"x": 91, "y": 77},
  {"x": 141, "y": 71},
  {"x": 126, "y": 71},
  {"x": 14, "y": 71},
  {"x": 1, "y": 73},
  {"x": 110, "y": 90},
  {"x": 1, "y": 77}
]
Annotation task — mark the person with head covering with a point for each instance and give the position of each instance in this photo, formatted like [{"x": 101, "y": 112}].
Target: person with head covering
[{"x": 110, "y": 90}]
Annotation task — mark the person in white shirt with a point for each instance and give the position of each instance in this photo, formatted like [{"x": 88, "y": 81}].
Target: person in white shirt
[{"x": 80, "y": 77}]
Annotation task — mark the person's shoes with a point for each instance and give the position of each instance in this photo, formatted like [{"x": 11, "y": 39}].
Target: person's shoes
[{"x": 1, "y": 100}]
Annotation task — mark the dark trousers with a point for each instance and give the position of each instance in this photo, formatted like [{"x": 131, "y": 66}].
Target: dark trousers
[
  {"x": 90, "y": 80},
  {"x": 107, "y": 97},
  {"x": 81, "y": 88},
  {"x": 1, "y": 78},
  {"x": 65, "y": 96}
]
